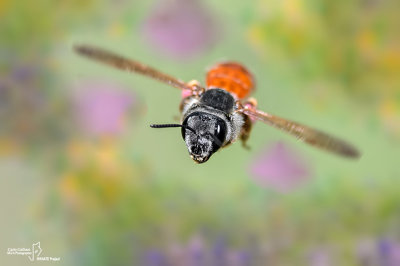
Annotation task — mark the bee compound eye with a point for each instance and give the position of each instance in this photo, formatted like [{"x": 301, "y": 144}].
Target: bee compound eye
[
  {"x": 220, "y": 131},
  {"x": 183, "y": 132},
  {"x": 184, "y": 128}
]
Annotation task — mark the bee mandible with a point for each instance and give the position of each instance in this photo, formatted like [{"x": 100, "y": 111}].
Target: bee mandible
[{"x": 217, "y": 115}]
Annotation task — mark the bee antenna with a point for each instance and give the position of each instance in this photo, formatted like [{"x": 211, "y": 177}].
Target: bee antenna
[
  {"x": 171, "y": 125},
  {"x": 217, "y": 141}
]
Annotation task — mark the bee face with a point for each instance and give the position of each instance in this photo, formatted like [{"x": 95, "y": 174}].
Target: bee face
[{"x": 203, "y": 134}]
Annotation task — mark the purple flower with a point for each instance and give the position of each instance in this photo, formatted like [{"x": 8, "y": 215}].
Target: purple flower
[
  {"x": 102, "y": 107},
  {"x": 238, "y": 258},
  {"x": 280, "y": 168},
  {"x": 389, "y": 252},
  {"x": 219, "y": 252},
  {"x": 24, "y": 73},
  {"x": 196, "y": 251},
  {"x": 245, "y": 258},
  {"x": 180, "y": 28},
  {"x": 155, "y": 258},
  {"x": 384, "y": 247}
]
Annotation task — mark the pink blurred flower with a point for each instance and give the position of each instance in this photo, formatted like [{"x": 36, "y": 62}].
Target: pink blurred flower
[
  {"x": 280, "y": 168},
  {"x": 320, "y": 257},
  {"x": 367, "y": 252},
  {"x": 196, "y": 250},
  {"x": 177, "y": 254},
  {"x": 395, "y": 254},
  {"x": 180, "y": 28},
  {"x": 238, "y": 258},
  {"x": 101, "y": 107}
]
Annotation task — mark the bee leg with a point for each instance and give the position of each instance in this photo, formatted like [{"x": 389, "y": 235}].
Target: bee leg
[{"x": 245, "y": 133}]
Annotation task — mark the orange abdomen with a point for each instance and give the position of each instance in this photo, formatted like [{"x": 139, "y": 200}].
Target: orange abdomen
[{"x": 232, "y": 77}]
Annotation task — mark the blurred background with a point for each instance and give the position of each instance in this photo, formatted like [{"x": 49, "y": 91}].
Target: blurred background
[{"x": 83, "y": 174}]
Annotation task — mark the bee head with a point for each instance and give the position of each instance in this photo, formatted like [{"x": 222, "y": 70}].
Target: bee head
[{"x": 203, "y": 134}]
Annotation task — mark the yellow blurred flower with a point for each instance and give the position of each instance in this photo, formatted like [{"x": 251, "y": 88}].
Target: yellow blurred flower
[
  {"x": 366, "y": 41},
  {"x": 4, "y": 5},
  {"x": 102, "y": 154},
  {"x": 8, "y": 146},
  {"x": 390, "y": 59},
  {"x": 294, "y": 11},
  {"x": 94, "y": 169},
  {"x": 69, "y": 189},
  {"x": 255, "y": 35},
  {"x": 116, "y": 30}
]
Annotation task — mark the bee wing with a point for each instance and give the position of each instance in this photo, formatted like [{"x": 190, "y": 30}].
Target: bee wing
[
  {"x": 130, "y": 65},
  {"x": 304, "y": 133}
]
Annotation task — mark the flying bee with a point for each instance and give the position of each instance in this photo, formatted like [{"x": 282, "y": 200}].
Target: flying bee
[{"x": 215, "y": 116}]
